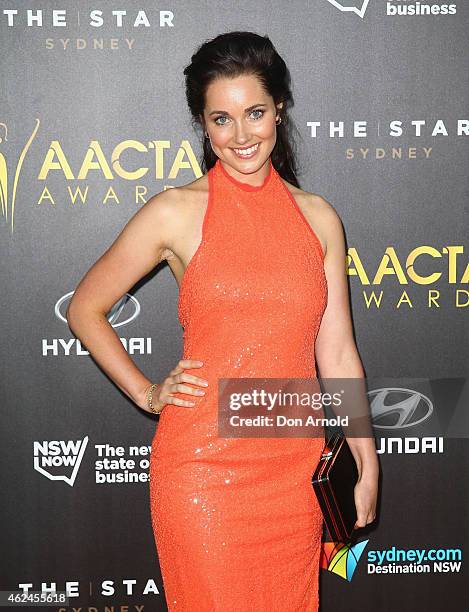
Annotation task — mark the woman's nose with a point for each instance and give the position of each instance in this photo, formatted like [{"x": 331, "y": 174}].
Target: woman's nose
[{"x": 241, "y": 133}]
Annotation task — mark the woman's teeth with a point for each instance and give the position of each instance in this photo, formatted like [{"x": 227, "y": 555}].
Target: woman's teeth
[{"x": 247, "y": 152}]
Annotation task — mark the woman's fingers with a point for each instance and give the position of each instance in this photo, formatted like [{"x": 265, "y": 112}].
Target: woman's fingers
[
  {"x": 362, "y": 522},
  {"x": 178, "y": 401},
  {"x": 174, "y": 383},
  {"x": 365, "y": 493},
  {"x": 187, "y": 363},
  {"x": 179, "y": 387},
  {"x": 184, "y": 377}
]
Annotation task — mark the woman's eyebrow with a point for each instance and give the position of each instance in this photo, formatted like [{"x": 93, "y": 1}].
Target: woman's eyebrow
[{"x": 246, "y": 110}]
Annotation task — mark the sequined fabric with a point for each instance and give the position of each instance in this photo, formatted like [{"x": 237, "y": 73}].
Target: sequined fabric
[{"x": 236, "y": 522}]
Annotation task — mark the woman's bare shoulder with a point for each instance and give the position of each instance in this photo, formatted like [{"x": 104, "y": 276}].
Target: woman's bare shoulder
[
  {"x": 314, "y": 203},
  {"x": 319, "y": 212},
  {"x": 177, "y": 204},
  {"x": 175, "y": 199},
  {"x": 177, "y": 210}
]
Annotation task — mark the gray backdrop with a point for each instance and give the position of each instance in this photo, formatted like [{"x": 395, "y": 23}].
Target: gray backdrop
[{"x": 71, "y": 97}]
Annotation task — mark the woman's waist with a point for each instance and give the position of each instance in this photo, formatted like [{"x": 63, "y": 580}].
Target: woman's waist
[{"x": 250, "y": 359}]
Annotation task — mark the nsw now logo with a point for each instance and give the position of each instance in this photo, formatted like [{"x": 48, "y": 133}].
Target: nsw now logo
[
  {"x": 351, "y": 6},
  {"x": 59, "y": 459}
]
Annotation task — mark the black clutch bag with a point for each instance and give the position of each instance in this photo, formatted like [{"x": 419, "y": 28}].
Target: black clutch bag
[{"x": 333, "y": 482}]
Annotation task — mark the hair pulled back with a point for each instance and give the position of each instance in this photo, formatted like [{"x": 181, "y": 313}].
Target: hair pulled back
[{"x": 234, "y": 54}]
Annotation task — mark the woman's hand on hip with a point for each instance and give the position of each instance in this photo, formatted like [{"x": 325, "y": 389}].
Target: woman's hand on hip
[{"x": 175, "y": 383}]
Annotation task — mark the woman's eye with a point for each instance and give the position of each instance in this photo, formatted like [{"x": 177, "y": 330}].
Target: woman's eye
[
  {"x": 258, "y": 110},
  {"x": 219, "y": 120}
]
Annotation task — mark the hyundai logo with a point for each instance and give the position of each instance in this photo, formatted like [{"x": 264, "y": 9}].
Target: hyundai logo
[{"x": 396, "y": 408}]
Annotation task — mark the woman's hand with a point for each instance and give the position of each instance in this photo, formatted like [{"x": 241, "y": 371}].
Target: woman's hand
[
  {"x": 172, "y": 384},
  {"x": 366, "y": 493}
]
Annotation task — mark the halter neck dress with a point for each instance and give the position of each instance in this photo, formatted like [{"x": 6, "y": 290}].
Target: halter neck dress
[{"x": 236, "y": 522}]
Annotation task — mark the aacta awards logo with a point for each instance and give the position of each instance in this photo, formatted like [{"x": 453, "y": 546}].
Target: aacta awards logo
[{"x": 8, "y": 207}]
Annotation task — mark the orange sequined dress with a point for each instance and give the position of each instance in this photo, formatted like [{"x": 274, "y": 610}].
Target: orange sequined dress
[{"x": 236, "y": 522}]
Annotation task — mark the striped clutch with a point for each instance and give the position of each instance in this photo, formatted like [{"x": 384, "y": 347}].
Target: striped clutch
[{"x": 333, "y": 482}]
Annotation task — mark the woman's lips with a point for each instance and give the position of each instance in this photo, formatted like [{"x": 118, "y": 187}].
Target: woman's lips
[{"x": 247, "y": 156}]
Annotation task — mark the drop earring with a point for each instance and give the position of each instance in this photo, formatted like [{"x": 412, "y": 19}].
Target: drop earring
[{"x": 279, "y": 121}]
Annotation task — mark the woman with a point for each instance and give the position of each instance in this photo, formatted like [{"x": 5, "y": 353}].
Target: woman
[{"x": 263, "y": 293}]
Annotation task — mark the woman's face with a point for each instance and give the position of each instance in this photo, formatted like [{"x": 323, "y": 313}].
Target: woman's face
[{"x": 239, "y": 114}]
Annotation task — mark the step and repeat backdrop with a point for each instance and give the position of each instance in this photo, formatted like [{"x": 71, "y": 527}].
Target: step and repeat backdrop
[{"x": 93, "y": 122}]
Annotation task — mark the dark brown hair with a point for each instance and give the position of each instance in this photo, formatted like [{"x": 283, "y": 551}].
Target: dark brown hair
[{"x": 231, "y": 55}]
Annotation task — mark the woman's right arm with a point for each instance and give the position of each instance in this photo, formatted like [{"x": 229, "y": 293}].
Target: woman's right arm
[{"x": 143, "y": 243}]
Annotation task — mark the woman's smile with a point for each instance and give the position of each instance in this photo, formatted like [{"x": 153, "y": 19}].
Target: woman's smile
[{"x": 247, "y": 153}]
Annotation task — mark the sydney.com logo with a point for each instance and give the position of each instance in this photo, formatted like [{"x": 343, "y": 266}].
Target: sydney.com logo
[{"x": 342, "y": 559}]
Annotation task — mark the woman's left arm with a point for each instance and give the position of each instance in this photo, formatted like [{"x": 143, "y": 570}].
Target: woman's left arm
[{"x": 337, "y": 356}]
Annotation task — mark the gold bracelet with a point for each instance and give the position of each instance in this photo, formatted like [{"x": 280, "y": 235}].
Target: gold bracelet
[{"x": 150, "y": 399}]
